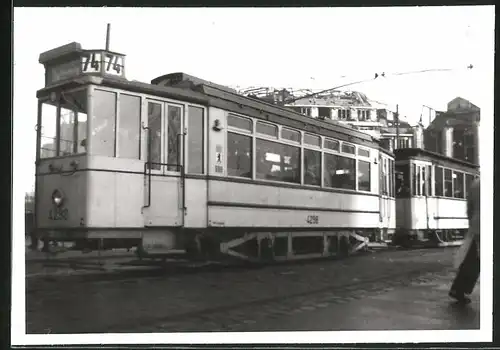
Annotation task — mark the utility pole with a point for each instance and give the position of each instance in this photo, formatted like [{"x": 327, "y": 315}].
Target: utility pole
[{"x": 396, "y": 119}]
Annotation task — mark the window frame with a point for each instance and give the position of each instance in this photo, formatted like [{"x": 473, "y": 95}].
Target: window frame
[
  {"x": 302, "y": 145},
  {"x": 57, "y": 105}
]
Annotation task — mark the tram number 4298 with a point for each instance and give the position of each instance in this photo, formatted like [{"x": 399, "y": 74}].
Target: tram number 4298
[
  {"x": 312, "y": 219},
  {"x": 58, "y": 214}
]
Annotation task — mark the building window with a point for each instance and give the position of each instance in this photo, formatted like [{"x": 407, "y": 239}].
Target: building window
[
  {"x": 344, "y": 114},
  {"x": 364, "y": 176},
  {"x": 458, "y": 185},
  {"x": 239, "y": 155},
  {"x": 278, "y": 162},
  {"x": 339, "y": 172},
  {"x": 438, "y": 181},
  {"x": 324, "y": 112},
  {"x": 312, "y": 167}
]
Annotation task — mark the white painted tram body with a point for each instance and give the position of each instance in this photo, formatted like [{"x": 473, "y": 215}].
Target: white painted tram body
[
  {"x": 431, "y": 197},
  {"x": 182, "y": 163}
]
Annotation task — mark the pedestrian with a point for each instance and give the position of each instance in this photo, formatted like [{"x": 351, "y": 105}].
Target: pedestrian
[{"x": 467, "y": 259}]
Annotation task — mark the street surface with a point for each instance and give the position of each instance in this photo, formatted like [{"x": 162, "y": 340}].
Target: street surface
[{"x": 386, "y": 290}]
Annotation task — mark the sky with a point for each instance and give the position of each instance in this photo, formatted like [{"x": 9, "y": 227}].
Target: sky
[{"x": 315, "y": 48}]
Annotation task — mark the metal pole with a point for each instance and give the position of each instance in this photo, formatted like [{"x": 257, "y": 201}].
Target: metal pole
[
  {"x": 397, "y": 126},
  {"x": 108, "y": 30}
]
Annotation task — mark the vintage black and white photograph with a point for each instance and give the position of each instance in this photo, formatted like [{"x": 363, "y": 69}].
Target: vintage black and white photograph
[{"x": 253, "y": 175}]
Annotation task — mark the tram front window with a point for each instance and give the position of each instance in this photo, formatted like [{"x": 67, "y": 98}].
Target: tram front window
[{"x": 70, "y": 112}]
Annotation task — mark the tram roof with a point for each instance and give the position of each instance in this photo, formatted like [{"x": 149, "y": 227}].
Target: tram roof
[
  {"x": 419, "y": 153},
  {"x": 212, "y": 95}
]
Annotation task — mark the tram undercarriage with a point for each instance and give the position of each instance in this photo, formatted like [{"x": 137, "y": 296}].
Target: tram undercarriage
[
  {"x": 225, "y": 244},
  {"x": 429, "y": 238},
  {"x": 264, "y": 246}
]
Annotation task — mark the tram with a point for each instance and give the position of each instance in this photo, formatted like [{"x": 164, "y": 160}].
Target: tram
[
  {"x": 431, "y": 198},
  {"x": 183, "y": 164}
]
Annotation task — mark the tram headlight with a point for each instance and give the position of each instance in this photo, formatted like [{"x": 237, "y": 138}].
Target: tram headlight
[{"x": 57, "y": 198}]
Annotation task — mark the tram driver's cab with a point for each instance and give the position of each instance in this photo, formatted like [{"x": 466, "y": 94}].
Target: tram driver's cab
[{"x": 88, "y": 145}]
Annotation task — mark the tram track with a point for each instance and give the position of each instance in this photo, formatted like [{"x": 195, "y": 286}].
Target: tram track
[
  {"x": 179, "y": 322},
  {"x": 179, "y": 301},
  {"x": 177, "y": 267}
]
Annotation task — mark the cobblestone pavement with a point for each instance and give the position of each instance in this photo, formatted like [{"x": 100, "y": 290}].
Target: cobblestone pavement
[
  {"x": 232, "y": 300},
  {"x": 418, "y": 303}
]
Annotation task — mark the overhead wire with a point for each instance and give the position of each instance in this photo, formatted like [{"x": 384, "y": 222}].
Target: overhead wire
[{"x": 376, "y": 76}]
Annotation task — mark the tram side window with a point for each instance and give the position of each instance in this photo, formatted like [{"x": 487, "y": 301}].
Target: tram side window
[
  {"x": 267, "y": 129},
  {"x": 417, "y": 182},
  {"x": 154, "y": 124},
  {"x": 468, "y": 182},
  {"x": 339, "y": 172},
  {"x": 291, "y": 135},
  {"x": 312, "y": 167},
  {"x": 402, "y": 180},
  {"x": 174, "y": 129},
  {"x": 73, "y": 137},
  {"x": 239, "y": 123},
  {"x": 48, "y": 131},
  {"x": 426, "y": 175},
  {"x": 103, "y": 123},
  {"x": 448, "y": 183},
  {"x": 458, "y": 185},
  {"x": 239, "y": 155},
  {"x": 383, "y": 181},
  {"x": 332, "y": 144},
  {"x": 195, "y": 140},
  {"x": 364, "y": 183},
  {"x": 277, "y": 162},
  {"x": 67, "y": 132},
  {"x": 72, "y": 125},
  {"x": 438, "y": 181},
  {"x": 129, "y": 127},
  {"x": 391, "y": 178}
]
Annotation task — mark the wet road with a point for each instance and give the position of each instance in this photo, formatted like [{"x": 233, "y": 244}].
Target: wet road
[{"x": 356, "y": 291}]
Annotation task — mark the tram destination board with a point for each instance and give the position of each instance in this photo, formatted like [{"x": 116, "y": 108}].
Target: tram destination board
[{"x": 70, "y": 61}]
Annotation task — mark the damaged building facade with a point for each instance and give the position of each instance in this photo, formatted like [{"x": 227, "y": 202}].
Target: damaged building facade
[
  {"x": 356, "y": 110},
  {"x": 454, "y": 133}
]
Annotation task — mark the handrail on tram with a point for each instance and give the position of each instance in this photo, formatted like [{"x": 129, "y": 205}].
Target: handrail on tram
[{"x": 148, "y": 166}]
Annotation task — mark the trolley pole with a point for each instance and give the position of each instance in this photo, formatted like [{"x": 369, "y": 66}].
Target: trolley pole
[
  {"x": 108, "y": 30},
  {"x": 396, "y": 117}
]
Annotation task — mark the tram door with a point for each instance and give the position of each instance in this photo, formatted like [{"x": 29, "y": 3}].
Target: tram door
[
  {"x": 195, "y": 160},
  {"x": 385, "y": 189},
  {"x": 163, "y": 180}
]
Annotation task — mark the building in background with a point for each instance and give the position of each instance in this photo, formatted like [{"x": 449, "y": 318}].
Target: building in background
[{"x": 454, "y": 133}]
